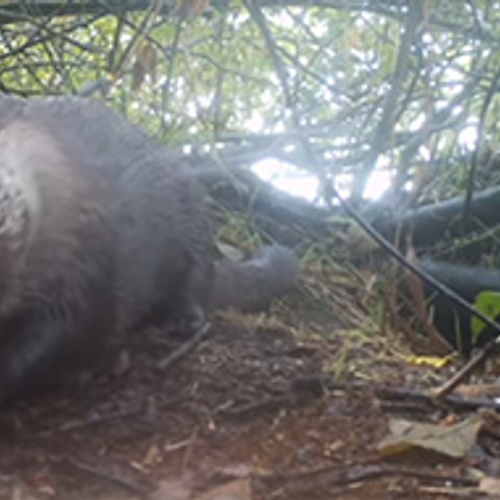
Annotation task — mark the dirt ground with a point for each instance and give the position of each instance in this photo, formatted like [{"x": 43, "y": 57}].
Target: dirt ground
[{"x": 244, "y": 415}]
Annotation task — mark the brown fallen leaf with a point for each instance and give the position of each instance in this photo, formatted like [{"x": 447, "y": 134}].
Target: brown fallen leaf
[{"x": 152, "y": 457}]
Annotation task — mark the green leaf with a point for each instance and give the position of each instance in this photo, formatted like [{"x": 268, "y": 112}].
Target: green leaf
[{"x": 488, "y": 303}]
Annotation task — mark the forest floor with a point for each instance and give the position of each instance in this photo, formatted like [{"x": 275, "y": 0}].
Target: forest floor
[{"x": 264, "y": 408}]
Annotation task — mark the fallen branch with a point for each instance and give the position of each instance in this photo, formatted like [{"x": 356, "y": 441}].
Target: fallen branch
[
  {"x": 300, "y": 483},
  {"x": 474, "y": 364},
  {"x": 316, "y": 385}
]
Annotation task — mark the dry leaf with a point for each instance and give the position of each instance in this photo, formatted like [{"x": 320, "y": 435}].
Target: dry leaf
[
  {"x": 453, "y": 441},
  {"x": 152, "y": 456},
  {"x": 490, "y": 485},
  {"x": 145, "y": 64}
]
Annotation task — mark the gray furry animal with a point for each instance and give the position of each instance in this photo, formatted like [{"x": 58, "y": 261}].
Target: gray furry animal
[{"x": 102, "y": 230}]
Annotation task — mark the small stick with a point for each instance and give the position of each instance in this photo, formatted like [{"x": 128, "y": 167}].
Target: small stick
[
  {"x": 486, "y": 352},
  {"x": 184, "y": 348},
  {"x": 123, "y": 480}
]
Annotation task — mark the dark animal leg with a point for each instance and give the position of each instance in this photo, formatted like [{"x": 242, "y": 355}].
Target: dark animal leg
[
  {"x": 183, "y": 306},
  {"x": 31, "y": 349},
  {"x": 190, "y": 311},
  {"x": 188, "y": 317}
]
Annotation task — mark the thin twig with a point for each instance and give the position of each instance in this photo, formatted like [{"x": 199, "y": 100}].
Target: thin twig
[
  {"x": 123, "y": 480},
  {"x": 184, "y": 349}
]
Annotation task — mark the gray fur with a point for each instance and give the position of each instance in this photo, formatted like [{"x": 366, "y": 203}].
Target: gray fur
[{"x": 98, "y": 219}]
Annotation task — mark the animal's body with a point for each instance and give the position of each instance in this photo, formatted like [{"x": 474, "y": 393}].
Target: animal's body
[{"x": 103, "y": 230}]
